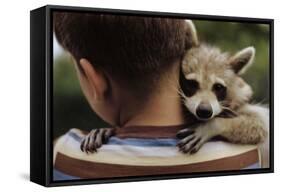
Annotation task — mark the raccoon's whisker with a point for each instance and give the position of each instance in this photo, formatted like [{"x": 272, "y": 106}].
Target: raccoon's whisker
[
  {"x": 229, "y": 109},
  {"x": 223, "y": 103},
  {"x": 261, "y": 102},
  {"x": 183, "y": 99},
  {"x": 178, "y": 90},
  {"x": 183, "y": 96},
  {"x": 173, "y": 86},
  {"x": 181, "y": 93}
]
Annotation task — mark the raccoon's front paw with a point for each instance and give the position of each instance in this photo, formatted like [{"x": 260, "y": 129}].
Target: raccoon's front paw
[
  {"x": 95, "y": 139},
  {"x": 192, "y": 139}
]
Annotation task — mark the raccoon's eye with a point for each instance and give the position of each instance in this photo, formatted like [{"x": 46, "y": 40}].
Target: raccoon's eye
[
  {"x": 220, "y": 91},
  {"x": 190, "y": 87}
]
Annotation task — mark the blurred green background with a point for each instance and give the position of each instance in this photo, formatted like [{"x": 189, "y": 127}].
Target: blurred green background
[{"x": 72, "y": 110}]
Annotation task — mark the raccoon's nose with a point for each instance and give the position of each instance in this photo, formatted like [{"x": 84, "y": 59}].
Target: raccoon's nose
[{"x": 204, "y": 111}]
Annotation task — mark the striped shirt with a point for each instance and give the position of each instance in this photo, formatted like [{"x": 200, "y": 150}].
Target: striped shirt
[{"x": 145, "y": 151}]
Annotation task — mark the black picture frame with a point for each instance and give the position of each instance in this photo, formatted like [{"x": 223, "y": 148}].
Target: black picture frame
[{"x": 41, "y": 61}]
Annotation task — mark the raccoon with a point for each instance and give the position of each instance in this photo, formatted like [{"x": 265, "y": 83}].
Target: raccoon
[{"x": 214, "y": 92}]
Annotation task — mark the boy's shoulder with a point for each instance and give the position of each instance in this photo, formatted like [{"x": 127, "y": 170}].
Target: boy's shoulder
[{"x": 129, "y": 156}]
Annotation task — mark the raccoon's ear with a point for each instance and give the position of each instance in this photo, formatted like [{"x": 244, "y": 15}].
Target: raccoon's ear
[
  {"x": 242, "y": 60},
  {"x": 191, "y": 35}
]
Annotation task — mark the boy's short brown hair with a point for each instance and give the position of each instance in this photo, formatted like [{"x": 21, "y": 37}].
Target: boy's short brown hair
[{"x": 133, "y": 49}]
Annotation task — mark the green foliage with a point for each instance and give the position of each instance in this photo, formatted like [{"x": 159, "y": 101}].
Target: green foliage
[{"x": 72, "y": 110}]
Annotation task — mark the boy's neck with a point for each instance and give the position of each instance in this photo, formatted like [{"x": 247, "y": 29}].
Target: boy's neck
[
  {"x": 161, "y": 109},
  {"x": 158, "y": 111}
]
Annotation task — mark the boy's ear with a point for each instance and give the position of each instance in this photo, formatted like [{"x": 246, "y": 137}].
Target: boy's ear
[
  {"x": 242, "y": 60},
  {"x": 95, "y": 79},
  {"x": 191, "y": 34}
]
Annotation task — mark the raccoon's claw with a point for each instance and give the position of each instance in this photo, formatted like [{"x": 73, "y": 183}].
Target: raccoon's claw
[
  {"x": 192, "y": 140},
  {"x": 184, "y": 133},
  {"x": 95, "y": 139}
]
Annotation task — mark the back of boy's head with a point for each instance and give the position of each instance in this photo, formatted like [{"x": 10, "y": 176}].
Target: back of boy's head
[{"x": 137, "y": 51}]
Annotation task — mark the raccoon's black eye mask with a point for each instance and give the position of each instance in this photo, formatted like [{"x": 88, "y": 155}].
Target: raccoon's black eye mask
[
  {"x": 189, "y": 87},
  {"x": 220, "y": 91}
]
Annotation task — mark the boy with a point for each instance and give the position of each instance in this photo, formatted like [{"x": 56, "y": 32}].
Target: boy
[{"x": 128, "y": 68}]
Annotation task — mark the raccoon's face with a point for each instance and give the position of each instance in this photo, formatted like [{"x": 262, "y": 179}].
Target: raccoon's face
[
  {"x": 204, "y": 96},
  {"x": 210, "y": 83}
]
